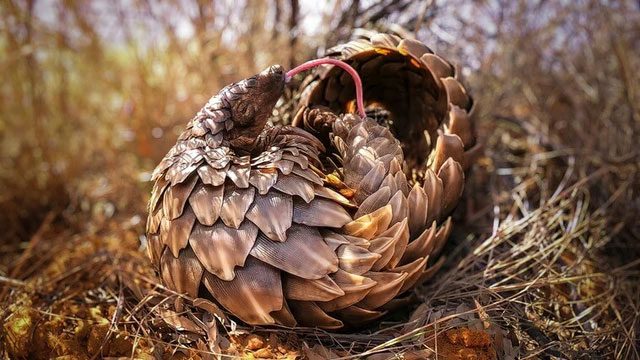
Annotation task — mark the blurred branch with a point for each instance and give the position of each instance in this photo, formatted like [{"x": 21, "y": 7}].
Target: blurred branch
[{"x": 293, "y": 32}]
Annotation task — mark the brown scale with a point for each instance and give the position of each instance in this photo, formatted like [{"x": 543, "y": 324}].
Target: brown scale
[{"x": 279, "y": 225}]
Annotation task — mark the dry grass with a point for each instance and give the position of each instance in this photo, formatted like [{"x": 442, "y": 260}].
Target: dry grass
[{"x": 545, "y": 261}]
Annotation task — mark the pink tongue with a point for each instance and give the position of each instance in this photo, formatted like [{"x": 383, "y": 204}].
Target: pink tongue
[{"x": 341, "y": 64}]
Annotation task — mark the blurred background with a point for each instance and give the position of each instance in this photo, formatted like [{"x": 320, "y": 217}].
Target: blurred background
[{"x": 94, "y": 93}]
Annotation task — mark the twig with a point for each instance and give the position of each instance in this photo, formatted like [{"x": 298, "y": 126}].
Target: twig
[{"x": 33, "y": 242}]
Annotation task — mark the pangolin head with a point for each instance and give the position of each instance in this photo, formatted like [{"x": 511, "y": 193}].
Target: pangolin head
[{"x": 251, "y": 109}]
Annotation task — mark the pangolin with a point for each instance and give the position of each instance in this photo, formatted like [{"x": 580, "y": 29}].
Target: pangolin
[{"x": 325, "y": 225}]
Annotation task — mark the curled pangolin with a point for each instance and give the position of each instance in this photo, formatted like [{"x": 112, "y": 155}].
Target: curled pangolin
[{"x": 319, "y": 225}]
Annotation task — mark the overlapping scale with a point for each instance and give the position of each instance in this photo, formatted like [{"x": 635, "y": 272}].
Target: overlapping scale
[
  {"x": 235, "y": 203},
  {"x": 221, "y": 248},
  {"x": 304, "y": 254},
  {"x": 321, "y": 213},
  {"x": 183, "y": 273},
  {"x": 206, "y": 202},
  {"x": 273, "y": 213},
  {"x": 252, "y": 295},
  {"x": 323, "y": 289}
]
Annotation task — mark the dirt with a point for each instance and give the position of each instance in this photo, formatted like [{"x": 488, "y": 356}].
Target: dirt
[{"x": 466, "y": 344}]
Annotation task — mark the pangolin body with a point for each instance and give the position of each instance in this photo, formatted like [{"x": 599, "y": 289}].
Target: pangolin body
[{"x": 319, "y": 226}]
